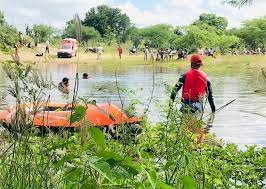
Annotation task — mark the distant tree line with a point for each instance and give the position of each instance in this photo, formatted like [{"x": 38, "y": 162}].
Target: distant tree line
[
  {"x": 109, "y": 25},
  {"x": 8, "y": 34}
]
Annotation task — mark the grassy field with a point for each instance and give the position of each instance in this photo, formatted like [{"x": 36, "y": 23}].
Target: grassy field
[{"x": 220, "y": 65}]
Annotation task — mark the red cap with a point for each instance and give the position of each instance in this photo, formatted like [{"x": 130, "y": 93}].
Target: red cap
[{"x": 196, "y": 58}]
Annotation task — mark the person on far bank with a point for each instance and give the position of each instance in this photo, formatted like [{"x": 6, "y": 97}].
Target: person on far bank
[
  {"x": 120, "y": 51},
  {"x": 195, "y": 86},
  {"x": 146, "y": 53},
  {"x": 47, "y": 47}
]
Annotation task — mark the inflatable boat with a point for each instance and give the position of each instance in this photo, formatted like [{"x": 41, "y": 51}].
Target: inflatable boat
[{"x": 56, "y": 115}]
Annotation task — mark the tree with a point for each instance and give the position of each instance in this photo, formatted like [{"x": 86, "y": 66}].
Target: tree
[
  {"x": 136, "y": 36},
  {"x": 253, "y": 32},
  {"x": 42, "y": 32},
  {"x": 2, "y": 18},
  {"x": 106, "y": 19},
  {"x": 194, "y": 37},
  {"x": 204, "y": 36},
  {"x": 159, "y": 35},
  {"x": 8, "y": 34},
  {"x": 212, "y": 20},
  {"x": 87, "y": 33}
]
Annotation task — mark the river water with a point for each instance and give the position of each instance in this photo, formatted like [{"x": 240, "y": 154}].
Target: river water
[{"x": 242, "y": 122}]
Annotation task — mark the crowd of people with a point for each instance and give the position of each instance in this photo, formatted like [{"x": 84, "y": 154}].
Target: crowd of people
[
  {"x": 167, "y": 54},
  {"x": 246, "y": 51}
]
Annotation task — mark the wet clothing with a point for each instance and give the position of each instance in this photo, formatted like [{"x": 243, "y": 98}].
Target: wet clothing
[
  {"x": 63, "y": 88},
  {"x": 195, "y": 86}
]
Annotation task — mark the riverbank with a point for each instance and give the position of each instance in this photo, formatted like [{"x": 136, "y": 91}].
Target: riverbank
[{"x": 110, "y": 59}]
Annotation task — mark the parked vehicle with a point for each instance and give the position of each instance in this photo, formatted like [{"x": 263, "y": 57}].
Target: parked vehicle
[{"x": 68, "y": 48}]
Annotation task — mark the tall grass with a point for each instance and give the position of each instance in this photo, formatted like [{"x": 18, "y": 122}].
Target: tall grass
[{"x": 163, "y": 156}]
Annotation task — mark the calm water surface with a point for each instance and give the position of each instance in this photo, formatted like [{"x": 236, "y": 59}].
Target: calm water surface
[{"x": 243, "y": 122}]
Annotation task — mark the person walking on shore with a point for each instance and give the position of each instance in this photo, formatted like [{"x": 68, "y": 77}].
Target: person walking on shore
[{"x": 120, "y": 51}]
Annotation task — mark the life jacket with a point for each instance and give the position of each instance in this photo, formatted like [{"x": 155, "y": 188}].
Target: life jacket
[{"x": 194, "y": 87}]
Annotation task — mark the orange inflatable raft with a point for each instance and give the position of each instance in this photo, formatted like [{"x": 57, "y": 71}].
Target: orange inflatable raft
[{"x": 58, "y": 115}]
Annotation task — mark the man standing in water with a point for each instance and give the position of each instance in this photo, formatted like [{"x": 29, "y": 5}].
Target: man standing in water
[
  {"x": 195, "y": 85},
  {"x": 63, "y": 86}
]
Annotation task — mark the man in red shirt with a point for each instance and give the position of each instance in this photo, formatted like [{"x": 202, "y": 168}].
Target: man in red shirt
[
  {"x": 195, "y": 86},
  {"x": 120, "y": 51}
]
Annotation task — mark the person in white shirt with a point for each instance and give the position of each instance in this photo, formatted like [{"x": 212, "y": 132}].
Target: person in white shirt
[{"x": 99, "y": 51}]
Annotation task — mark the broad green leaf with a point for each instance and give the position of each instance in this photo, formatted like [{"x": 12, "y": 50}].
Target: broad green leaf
[
  {"x": 161, "y": 185},
  {"x": 73, "y": 174},
  {"x": 130, "y": 169},
  {"x": 79, "y": 114},
  {"x": 64, "y": 159},
  {"x": 188, "y": 182},
  {"x": 110, "y": 155},
  {"x": 98, "y": 137},
  {"x": 184, "y": 161},
  {"x": 150, "y": 178},
  {"x": 103, "y": 169}
]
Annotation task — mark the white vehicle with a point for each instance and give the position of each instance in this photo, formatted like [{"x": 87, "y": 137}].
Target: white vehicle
[{"x": 68, "y": 48}]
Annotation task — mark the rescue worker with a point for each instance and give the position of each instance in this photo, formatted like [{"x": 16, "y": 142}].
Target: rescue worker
[{"x": 195, "y": 86}]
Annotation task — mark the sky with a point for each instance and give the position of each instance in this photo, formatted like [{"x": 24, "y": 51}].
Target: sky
[{"x": 141, "y": 12}]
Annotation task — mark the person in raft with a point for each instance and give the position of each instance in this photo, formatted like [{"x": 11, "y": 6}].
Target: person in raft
[
  {"x": 120, "y": 51},
  {"x": 195, "y": 85},
  {"x": 63, "y": 86}
]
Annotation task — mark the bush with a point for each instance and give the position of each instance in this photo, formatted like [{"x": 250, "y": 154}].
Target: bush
[{"x": 8, "y": 37}]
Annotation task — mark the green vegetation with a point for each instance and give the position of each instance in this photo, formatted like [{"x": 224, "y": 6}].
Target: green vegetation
[
  {"x": 158, "y": 36},
  {"x": 253, "y": 33},
  {"x": 87, "y": 33},
  {"x": 108, "y": 21},
  {"x": 204, "y": 36},
  {"x": 8, "y": 34},
  {"x": 42, "y": 32},
  {"x": 164, "y": 156},
  {"x": 218, "y": 22},
  {"x": 109, "y": 26}
]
